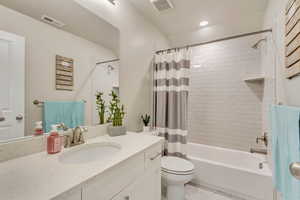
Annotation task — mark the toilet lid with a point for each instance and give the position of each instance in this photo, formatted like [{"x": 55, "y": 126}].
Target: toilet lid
[{"x": 170, "y": 163}]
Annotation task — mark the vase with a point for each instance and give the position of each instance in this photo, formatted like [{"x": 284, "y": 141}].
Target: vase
[
  {"x": 146, "y": 129},
  {"x": 116, "y": 130}
]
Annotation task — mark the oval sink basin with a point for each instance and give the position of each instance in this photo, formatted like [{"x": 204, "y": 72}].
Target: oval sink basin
[{"x": 90, "y": 152}]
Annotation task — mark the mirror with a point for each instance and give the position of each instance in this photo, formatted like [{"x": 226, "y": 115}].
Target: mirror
[{"x": 52, "y": 51}]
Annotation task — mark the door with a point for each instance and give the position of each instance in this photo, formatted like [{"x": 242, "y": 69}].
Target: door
[{"x": 12, "y": 85}]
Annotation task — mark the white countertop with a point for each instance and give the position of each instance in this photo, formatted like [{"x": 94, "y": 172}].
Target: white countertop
[{"x": 41, "y": 176}]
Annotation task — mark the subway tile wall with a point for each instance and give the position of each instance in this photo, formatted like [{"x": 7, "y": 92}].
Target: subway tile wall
[{"x": 224, "y": 110}]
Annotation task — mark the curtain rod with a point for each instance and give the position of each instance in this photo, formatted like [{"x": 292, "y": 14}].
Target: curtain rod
[
  {"x": 217, "y": 40},
  {"x": 108, "y": 61}
]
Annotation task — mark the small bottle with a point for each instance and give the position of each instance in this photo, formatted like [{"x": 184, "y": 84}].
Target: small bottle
[
  {"x": 54, "y": 141},
  {"x": 38, "y": 128}
]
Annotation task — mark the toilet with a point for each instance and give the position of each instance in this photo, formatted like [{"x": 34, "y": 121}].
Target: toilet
[{"x": 176, "y": 172}]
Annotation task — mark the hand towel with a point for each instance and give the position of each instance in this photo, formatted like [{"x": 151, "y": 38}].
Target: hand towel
[
  {"x": 70, "y": 113},
  {"x": 285, "y": 149}
]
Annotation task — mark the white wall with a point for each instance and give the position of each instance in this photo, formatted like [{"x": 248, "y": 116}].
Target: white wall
[
  {"x": 213, "y": 32},
  {"x": 287, "y": 90},
  {"x": 43, "y": 42},
  {"x": 139, "y": 40},
  {"x": 224, "y": 110},
  {"x": 273, "y": 62}
]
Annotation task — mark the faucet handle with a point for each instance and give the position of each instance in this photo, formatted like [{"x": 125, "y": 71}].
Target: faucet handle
[
  {"x": 78, "y": 134},
  {"x": 263, "y": 138},
  {"x": 67, "y": 136},
  {"x": 67, "y": 141}
]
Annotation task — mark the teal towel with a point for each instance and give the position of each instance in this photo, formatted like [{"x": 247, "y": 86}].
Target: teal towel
[
  {"x": 70, "y": 113},
  {"x": 285, "y": 149}
]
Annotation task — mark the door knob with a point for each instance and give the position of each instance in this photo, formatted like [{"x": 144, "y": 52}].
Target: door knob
[
  {"x": 19, "y": 117},
  {"x": 2, "y": 119},
  {"x": 295, "y": 170}
]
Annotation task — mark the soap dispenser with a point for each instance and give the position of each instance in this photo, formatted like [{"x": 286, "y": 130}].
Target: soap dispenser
[{"x": 54, "y": 141}]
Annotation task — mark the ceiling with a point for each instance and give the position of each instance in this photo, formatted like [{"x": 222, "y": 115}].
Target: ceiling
[
  {"x": 225, "y": 17},
  {"x": 78, "y": 20}
]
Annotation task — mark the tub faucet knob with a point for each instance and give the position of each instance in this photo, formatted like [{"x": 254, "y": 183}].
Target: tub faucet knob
[{"x": 263, "y": 138}]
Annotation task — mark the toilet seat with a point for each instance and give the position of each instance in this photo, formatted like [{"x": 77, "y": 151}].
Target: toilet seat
[{"x": 176, "y": 166}]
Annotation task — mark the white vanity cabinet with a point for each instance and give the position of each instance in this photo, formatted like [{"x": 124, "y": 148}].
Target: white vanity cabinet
[
  {"x": 148, "y": 185},
  {"x": 74, "y": 194},
  {"x": 137, "y": 178},
  {"x": 132, "y": 173}
]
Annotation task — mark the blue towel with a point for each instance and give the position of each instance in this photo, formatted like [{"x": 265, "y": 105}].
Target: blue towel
[
  {"x": 70, "y": 113},
  {"x": 285, "y": 149}
]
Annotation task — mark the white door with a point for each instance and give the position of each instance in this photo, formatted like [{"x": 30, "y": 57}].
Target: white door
[{"x": 12, "y": 85}]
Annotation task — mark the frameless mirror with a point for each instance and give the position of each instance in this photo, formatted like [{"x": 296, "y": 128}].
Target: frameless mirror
[{"x": 52, "y": 51}]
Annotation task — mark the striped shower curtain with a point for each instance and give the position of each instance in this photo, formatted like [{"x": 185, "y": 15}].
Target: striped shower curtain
[{"x": 170, "y": 99}]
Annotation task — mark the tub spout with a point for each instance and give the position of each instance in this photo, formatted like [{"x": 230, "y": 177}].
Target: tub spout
[{"x": 260, "y": 151}]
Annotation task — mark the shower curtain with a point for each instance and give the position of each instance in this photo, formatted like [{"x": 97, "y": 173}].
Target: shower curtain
[{"x": 170, "y": 99}]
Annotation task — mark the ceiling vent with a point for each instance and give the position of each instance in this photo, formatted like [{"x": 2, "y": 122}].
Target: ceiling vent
[
  {"x": 52, "y": 21},
  {"x": 112, "y": 2},
  {"x": 162, "y": 5}
]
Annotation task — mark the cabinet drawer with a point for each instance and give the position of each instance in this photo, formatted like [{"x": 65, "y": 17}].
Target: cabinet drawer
[
  {"x": 74, "y": 194},
  {"x": 111, "y": 182},
  {"x": 153, "y": 156}
]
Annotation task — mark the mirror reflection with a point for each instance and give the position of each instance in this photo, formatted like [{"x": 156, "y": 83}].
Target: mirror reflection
[{"x": 55, "y": 57}]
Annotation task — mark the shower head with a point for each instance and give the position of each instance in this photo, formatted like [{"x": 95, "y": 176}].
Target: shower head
[
  {"x": 256, "y": 45},
  {"x": 110, "y": 67}
]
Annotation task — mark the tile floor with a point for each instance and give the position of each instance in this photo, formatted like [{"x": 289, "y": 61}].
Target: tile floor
[{"x": 200, "y": 193}]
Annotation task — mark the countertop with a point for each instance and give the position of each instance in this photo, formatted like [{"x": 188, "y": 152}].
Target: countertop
[{"x": 42, "y": 177}]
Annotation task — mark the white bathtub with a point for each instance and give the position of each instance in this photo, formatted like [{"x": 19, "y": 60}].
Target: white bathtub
[{"x": 231, "y": 171}]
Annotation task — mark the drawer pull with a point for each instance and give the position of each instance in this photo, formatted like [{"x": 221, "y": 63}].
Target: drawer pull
[
  {"x": 156, "y": 156},
  {"x": 127, "y": 198}
]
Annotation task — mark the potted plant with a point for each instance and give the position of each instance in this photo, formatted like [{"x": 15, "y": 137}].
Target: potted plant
[
  {"x": 100, "y": 107},
  {"x": 116, "y": 116},
  {"x": 146, "y": 121}
]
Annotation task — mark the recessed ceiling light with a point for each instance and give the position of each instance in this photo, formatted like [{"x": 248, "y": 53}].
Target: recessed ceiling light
[{"x": 203, "y": 23}]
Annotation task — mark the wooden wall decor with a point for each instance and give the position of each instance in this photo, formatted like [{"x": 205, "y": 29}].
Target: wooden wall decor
[
  {"x": 64, "y": 73},
  {"x": 292, "y": 38}
]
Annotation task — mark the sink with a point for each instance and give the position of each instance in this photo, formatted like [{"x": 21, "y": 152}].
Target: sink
[{"x": 90, "y": 152}]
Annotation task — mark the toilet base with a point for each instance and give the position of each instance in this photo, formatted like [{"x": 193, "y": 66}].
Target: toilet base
[{"x": 175, "y": 192}]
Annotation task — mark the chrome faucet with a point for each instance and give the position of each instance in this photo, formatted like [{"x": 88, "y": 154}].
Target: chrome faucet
[
  {"x": 74, "y": 137},
  {"x": 263, "y": 138}
]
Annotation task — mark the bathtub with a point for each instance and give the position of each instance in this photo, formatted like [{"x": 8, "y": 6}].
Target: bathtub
[{"x": 231, "y": 171}]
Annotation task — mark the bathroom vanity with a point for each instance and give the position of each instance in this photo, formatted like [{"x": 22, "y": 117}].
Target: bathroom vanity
[{"x": 132, "y": 172}]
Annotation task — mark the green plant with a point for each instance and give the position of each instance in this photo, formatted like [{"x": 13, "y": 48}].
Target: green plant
[
  {"x": 146, "y": 119},
  {"x": 100, "y": 107},
  {"x": 116, "y": 110}
]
